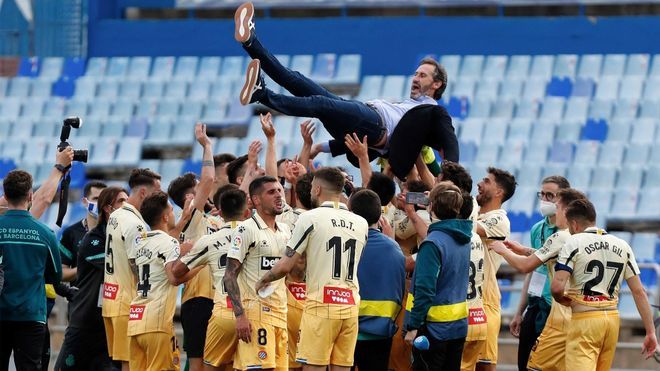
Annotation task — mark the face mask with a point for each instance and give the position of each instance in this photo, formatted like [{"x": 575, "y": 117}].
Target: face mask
[
  {"x": 93, "y": 209},
  {"x": 547, "y": 208}
]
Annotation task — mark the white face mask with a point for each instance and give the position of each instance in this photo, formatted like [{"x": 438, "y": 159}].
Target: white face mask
[
  {"x": 547, "y": 208},
  {"x": 93, "y": 209}
]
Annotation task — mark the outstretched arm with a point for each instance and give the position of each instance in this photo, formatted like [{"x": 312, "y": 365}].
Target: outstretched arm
[
  {"x": 361, "y": 150},
  {"x": 523, "y": 264},
  {"x": 271, "y": 155},
  {"x": 243, "y": 326},
  {"x": 424, "y": 172},
  {"x": 307, "y": 129},
  {"x": 44, "y": 196},
  {"x": 642, "y": 302},
  {"x": 281, "y": 268},
  {"x": 207, "y": 178}
]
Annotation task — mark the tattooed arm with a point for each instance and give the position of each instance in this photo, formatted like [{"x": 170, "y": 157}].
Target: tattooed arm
[
  {"x": 281, "y": 268},
  {"x": 230, "y": 280}
]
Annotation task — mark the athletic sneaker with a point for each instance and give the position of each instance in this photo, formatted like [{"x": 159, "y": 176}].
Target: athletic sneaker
[
  {"x": 253, "y": 82},
  {"x": 243, "y": 23}
]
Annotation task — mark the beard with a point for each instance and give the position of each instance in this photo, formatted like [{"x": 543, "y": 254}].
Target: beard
[{"x": 483, "y": 198}]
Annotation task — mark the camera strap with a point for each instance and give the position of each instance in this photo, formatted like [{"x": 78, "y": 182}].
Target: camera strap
[{"x": 64, "y": 198}]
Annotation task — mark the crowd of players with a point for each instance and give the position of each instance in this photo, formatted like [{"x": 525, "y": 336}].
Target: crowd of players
[{"x": 292, "y": 266}]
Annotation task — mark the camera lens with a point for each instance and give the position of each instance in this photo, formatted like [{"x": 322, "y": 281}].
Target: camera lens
[{"x": 80, "y": 155}]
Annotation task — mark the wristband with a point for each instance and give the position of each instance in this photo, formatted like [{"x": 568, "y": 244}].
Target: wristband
[{"x": 61, "y": 168}]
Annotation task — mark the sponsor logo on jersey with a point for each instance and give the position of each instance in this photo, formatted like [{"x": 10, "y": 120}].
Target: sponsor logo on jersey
[
  {"x": 268, "y": 262},
  {"x": 236, "y": 244},
  {"x": 229, "y": 304},
  {"x": 136, "y": 312},
  {"x": 337, "y": 295},
  {"x": 477, "y": 316},
  {"x": 110, "y": 291},
  {"x": 592, "y": 298},
  {"x": 298, "y": 290}
]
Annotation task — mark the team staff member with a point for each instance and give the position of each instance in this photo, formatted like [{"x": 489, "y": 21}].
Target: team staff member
[
  {"x": 328, "y": 233},
  {"x": 124, "y": 226},
  {"x": 85, "y": 346},
  {"x": 211, "y": 250},
  {"x": 537, "y": 303},
  {"x": 197, "y": 297},
  {"x": 382, "y": 278},
  {"x": 257, "y": 244},
  {"x": 492, "y": 223},
  {"x": 548, "y": 353},
  {"x": 436, "y": 306},
  {"x": 30, "y": 256},
  {"x": 594, "y": 264}
]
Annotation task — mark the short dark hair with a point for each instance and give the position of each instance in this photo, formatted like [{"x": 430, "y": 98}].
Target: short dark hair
[
  {"x": 504, "y": 180},
  {"x": 332, "y": 179},
  {"x": 142, "y": 177},
  {"x": 417, "y": 186},
  {"x": 87, "y": 189},
  {"x": 153, "y": 207},
  {"x": 366, "y": 204},
  {"x": 234, "y": 169},
  {"x": 257, "y": 184},
  {"x": 446, "y": 200},
  {"x": 220, "y": 191},
  {"x": 581, "y": 210},
  {"x": 107, "y": 197},
  {"x": 383, "y": 186},
  {"x": 457, "y": 174},
  {"x": 232, "y": 204},
  {"x": 17, "y": 186},
  {"x": 280, "y": 161},
  {"x": 468, "y": 206},
  {"x": 559, "y": 180},
  {"x": 304, "y": 190},
  {"x": 223, "y": 158},
  {"x": 439, "y": 74},
  {"x": 180, "y": 186},
  {"x": 568, "y": 195}
]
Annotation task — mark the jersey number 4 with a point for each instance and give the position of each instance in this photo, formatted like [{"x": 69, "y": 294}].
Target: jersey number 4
[
  {"x": 144, "y": 286},
  {"x": 336, "y": 246}
]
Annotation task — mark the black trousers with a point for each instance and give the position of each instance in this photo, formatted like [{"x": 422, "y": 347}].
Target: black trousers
[
  {"x": 529, "y": 333},
  {"x": 373, "y": 355},
  {"x": 25, "y": 340},
  {"x": 441, "y": 356}
]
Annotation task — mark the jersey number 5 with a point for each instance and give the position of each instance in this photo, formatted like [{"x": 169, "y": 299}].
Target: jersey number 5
[{"x": 336, "y": 246}]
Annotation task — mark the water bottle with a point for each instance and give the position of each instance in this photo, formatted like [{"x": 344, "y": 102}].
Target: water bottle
[{"x": 421, "y": 343}]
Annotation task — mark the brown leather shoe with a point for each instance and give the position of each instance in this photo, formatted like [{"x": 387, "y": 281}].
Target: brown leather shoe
[
  {"x": 253, "y": 82},
  {"x": 243, "y": 22}
]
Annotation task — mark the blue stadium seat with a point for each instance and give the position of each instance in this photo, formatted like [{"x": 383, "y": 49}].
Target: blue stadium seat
[
  {"x": 99, "y": 109},
  {"x": 13, "y": 150},
  {"x": 519, "y": 222},
  {"x": 543, "y": 132},
  {"x": 627, "y": 308},
  {"x": 488, "y": 154},
  {"x": 648, "y": 205},
  {"x": 129, "y": 152},
  {"x": 529, "y": 175},
  {"x": 630, "y": 178},
  {"x": 553, "y": 109},
  {"x": 652, "y": 178},
  {"x": 569, "y": 131},
  {"x": 192, "y": 110},
  {"x": 36, "y": 150},
  {"x": 163, "y": 68},
  {"x": 169, "y": 170},
  {"x": 495, "y": 67},
  {"x": 503, "y": 109},
  {"x": 371, "y": 87},
  {"x": 199, "y": 89},
  {"x": 168, "y": 107},
  {"x": 603, "y": 177},
  {"x": 524, "y": 200},
  {"x": 624, "y": 204},
  {"x": 579, "y": 176},
  {"x": 594, "y": 130},
  {"x": 29, "y": 67},
  {"x": 608, "y": 88},
  {"x": 577, "y": 109},
  {"x": 90, "y": 129},
  {"x": 600, "y": 109},
  {"x": 348, "y": 69},
  {"x": 54, "y": 107},
  {"x": 76, "y": 108},
  {"x": 487, "y": 89},
  {"x": 153, "y": 89},
  {"x": 565, "y": 66},
  {"x": 85, "y": 88},
  {"x": 64, "y": 87},
  {"x": 19, "y": 87},
  {"x": 587, "y": 152},
  {"x": 601, "y": 199},
  {"x": 158, "y": 131},
  {"x": 117, "y": 67},
  {"x": 534, "y": 89},
  {"x": 103, "y": 151},
  {"x": 559, "y": 87},
  {"x": 222, "y": 88},
  {"x": 480, "y": 108},
  {"x": 471, "y": 131},
  {"x": 209, "y": 67},
  {"x": 631, "y": 88},
  {"x": 655, "y": 66},
  {"x": 528, "y": 109},
  {"x": 518, "y": 67},
  {"x": 230, "y": 145},
  {"x": 614, "y": 65},
  {"x": 519, "y": 129},
  {"x": 233, "y": 67},
  {"x": 468, "y": 151},
  {"x": 113, "y": 129},
  {"x": 136, "y": 128},
  {"x": 511, "y": 154},
  {"x": 10, "y": 108},
  {"x": 458, "y": 108},
  {"x": 214, "y": 112},
  {"x": 186, "y": 68},
  {"x": 109, "y": 89},
  {"x": 393, "y": 87},
  {"x": 643, "y": 131},
  {"x": 511, "y": 90},
  {"x": 32, "y": 108},
  {"x": 324, "y": 68},
  {"x": 236, "y": 114},
  {"x": 302, "y": 64},
  {"x": 625, "y": 236},
  {"x": 74, "y": 67},
  {"x": 542, "y": 67},
  {"x": 583, "y": 88},
  {"x": 637, "y": 155},
  {"x": 131, "y": 89},
  {"x": 590, "y": 66},
  {"x": 4, "y": 82},
  {"x": 46, "y": 129},
  {"x": 96, "y": 66},
  {"x": 41, "y": 88},
  {"x": 561, "y": 152},
  {"x": 146, "y": 109},
  {"x": 650, "y": 109},
  {"x": 626, "y": 109},
  {"x": 472, "y": 66},
  {"x": 619, "y": 131},
  {"x": 123, "y": 108},
  {"x": 22, "y": 128},
  {"x": 638, "y": 65},
  {"x": 451, "y": 63},
  {"x": 139, "y": 67},
  {"x": 51, "y": 68},
  {"x": 494, "y": 131},
  {"x": 652, "y": 88},
  {"x": 7, "y": 165}
]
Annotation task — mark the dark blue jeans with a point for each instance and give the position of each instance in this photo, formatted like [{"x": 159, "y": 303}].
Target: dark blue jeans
[{"x": 339, "y": 116}]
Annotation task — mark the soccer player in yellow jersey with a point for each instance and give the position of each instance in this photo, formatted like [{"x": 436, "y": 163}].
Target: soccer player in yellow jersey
[
  {"x": 548, "y": 352},
  {"x": 257, "y": 244},
  {"x": 333, "y": 238},
  {"x": 211, "y": 250},
  {"x": 197, "y": 298},
  {"x": 492, "y": 224},
  {"x": 124, "y": 226},
  {"x": 296, "y": 292},
  {"x": 594, "y": 264}
]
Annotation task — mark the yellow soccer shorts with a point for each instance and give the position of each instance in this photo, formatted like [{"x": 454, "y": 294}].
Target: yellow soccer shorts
[
  {"x": 326, "y": 341},
  {"x": 116, "y": 329},
  {"x": 294, "y": 315},
  {"x": 489, "y": 347},
  {"x": 267, "y": 348},
  {"x": 471, "y": 352},
  {"x": 549, "y": 351},
  {"x": 221, "y": 339},
  {"x": 591, "y": 340},
  {"x": 154, "y": 351}
]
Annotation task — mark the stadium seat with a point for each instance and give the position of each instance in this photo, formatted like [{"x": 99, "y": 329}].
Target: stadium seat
[
  {"x": 458, "y": 108},
  {"x": 494, "y": 131},
  {"x": 96, "y": 66},
  {"x": 54, "y": 107},
  {"x": 590, "y": 66},
  {"x": 636, "y": 155},
  {"x": 559, "y": 87},
  {"x": 624, "y": 204},
  {"x": 85, "y": 88},
  {"x": 41, "y": 88},
  {"x": 511, "y": 90},
  {"x": 565, "y": 66},
  {"x": 123, "y": 108},
  {"x": 542, "y": 67},
  {"x": 113, "y": 129},
  {"x": 655, "y": 66},
  {"x": 631, "y": 88},
  {"x": 600, "y": 109},
  {"x": 625, "y": 108},
  {"x": 652, "y": 88},
  {"x": 103, "y": 152},
  {"x": 569, "y": 131},
  {"x": 176, "y": 89},
  {"x": 32, "y": 108},
  {"x": 643, "y": 131},
  {"x": 228, "y": 145},
  {"x": 393, "y": 87},
  {"x": 503, "y": 109},
  {"x": 583, "y": 88},
  {"x": 601, "y": 199},
  {"x": 324, "y": 68},
  {"x": 614, "y": 65},
  {"x": 619, "y": 131},
  {"x": 64, "y": 87},
  {"x": 603, "y": 177},
  {"x": 192, "y": 110},
  {"x": 627, "y": 308},
  {"x": 577, "y": 109},
  {"x": 495, "y": 67},
  {"x": 630, "y": 178},
  {"x": 472, "y": 66},
  {"x": 199, "y": 89},
  {"x": 348, "y": 69},
  {"x": 561, "y": 152},
  {"x": 51, "y": 68},
  {"x": 131, "y": 89},
  {"x": 579, "y": 176},
  {"x": 487, "y": 89},
  {"x": 587, "y": 152},
  {"x": 233, "y": 66},
  {"x": 186, "y": 68},
  {"x": 650, "y": 109},
  {"x": 543, "y": 132},
  {"x": 648, "y": 204},
  {"x": 36, "y": 150},
  {"x": 536, "y": 154},
  {"x": 45, "y": 129},
  {"x": 594, "y": 130},
  {"x": 302, "y": 64},
  {"x": 209, "y": 67},
  {"x": 117, "y": 67},
  {"x": 480, "y": 108},
  {"x": 158, "y": 131},
  {"x": 471, "y": 131},
  {"x": 29, "y": 67},
  {"x": 528, "y": 175},
  {"x": 22, "y": 128},
  {"x": 168, "y": 107},
  {"x": 519, "y": 129},
  {"x": 146, "y": 109},
  {"x": 13, "y": 150},
  {"x": 153, "y": 89},
  {"x": 74, "y": 67},
  {"x": 553, "y": 108},
  {"x": 638, "y": 65},
  {"x": 511, "y": 154},
  {"x": 19, "y": 87},
  {"x": 518, "y": 67},
  {"x": 608, "y": 88},
  {"x": 10, "y": 108},
  {"x": 163, "y": 68},
  {"x": 652, "y": 178},
  {"x": 468, "y": 151},
  {"x": 4, "y": 82},
  {"x": 136, "y": 128},
  {"x": 534, "y": 88},
  {"x": 139, "y": 67},
  {"x": 451, "y": 63},
  {"x": 528, "y": 109},
  {"x": 169, "y": 170},
  {"x": 370, "y": 87},
  {"x": 236, "y": 114},
  {"x": 222, "y": 88},
  {"x": 76, "y": 108},
  {"x": 109, "y": 89},
  {"x": 523, "y": 200}
]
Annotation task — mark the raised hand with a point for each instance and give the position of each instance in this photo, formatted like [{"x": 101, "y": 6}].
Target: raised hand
[
  {"x": 267, "y": 125},
  {"x": 200, "y": 134},
  {"x": 253, "y": 152},
  {"x": 307, "y": 129},
  {"x": 65, "y": 157},
  {"x": 357, "y": 147},
  {"x": 185, "y": 247}
]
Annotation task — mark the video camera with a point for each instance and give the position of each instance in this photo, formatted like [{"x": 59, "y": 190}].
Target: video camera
[{"x": 79, "y": 155}]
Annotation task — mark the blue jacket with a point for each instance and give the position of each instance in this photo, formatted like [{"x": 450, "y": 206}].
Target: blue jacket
[
  {"x": 382, "y": 278},
  {"x": 438, "y": 292}
]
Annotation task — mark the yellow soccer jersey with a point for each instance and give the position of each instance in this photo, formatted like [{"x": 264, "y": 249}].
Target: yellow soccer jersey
[
  {"x": 258, "y": 248},
  {"x": 477, "y": 317},
  {"x": 124, "y": 226},
  {"x": 560, "y": 315},
  {"x": 152, "y": 308},
  {"x": 333, "y": 238},
  {"x": 211, "y": 250},
  {"x": 404, "y": 228},
  {"x": 496, "y": 224},
  {"x": 201, "y": 285},
  {"x": 598, "y": 263},
  {"x": 289, "y": 216},
  {"x": 389, "y": 212}
]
